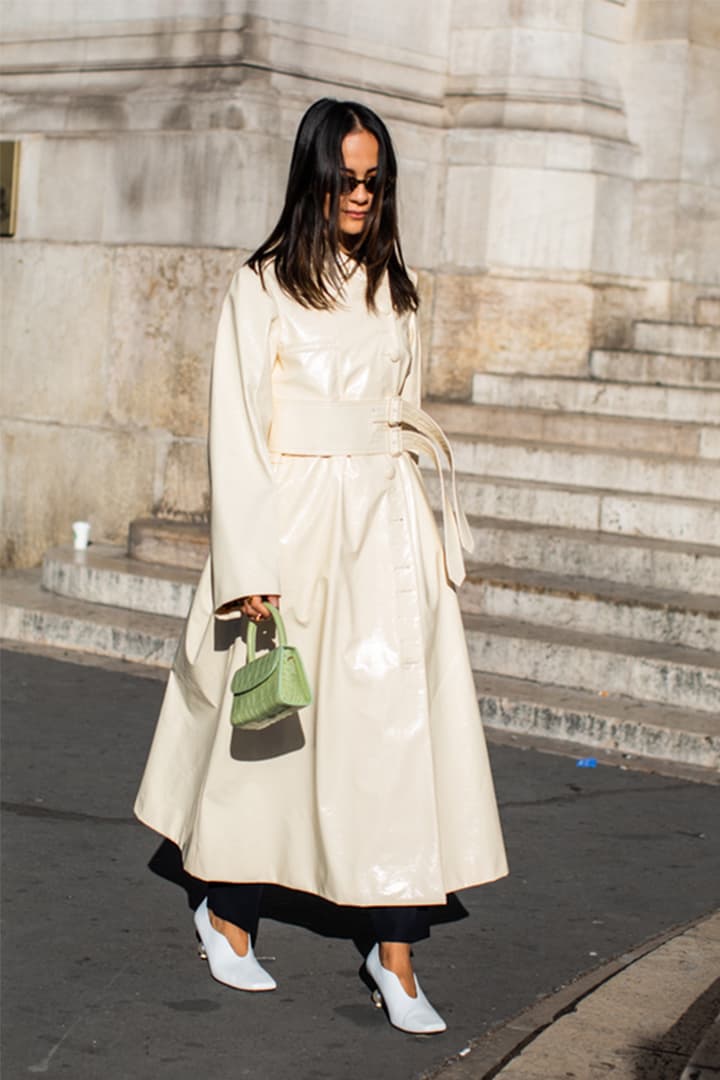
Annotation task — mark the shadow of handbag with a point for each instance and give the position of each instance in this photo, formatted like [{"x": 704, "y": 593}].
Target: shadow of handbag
[{"x": 269, "y": 687}]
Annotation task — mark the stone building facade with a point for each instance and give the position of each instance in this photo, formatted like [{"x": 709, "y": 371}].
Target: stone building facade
[{"x": 560, "y": 179}]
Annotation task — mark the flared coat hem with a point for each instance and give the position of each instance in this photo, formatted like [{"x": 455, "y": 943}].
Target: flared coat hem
[{"x": 201, "y": 872}]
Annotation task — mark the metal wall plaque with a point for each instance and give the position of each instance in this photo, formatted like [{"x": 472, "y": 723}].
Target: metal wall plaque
[{"x": 9, "y": 173}]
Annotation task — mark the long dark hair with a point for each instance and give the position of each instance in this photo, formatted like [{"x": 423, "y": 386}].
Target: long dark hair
[{"x": 305, "y": 244}]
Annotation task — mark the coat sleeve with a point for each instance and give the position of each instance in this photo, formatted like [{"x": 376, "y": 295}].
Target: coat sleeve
[
  {"x": 412, "y": 386},
  {"x": 244, "y": 539}
]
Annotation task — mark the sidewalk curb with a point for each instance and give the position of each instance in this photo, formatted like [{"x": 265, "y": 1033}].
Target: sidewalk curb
[{"x": 489, "y": 1055}]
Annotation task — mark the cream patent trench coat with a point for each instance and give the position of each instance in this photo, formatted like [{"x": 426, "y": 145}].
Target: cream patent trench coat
[{"x": 380, "y": 792}]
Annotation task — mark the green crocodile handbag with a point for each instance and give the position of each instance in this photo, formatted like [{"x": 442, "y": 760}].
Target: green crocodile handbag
[{"x": 269, "y": 687}]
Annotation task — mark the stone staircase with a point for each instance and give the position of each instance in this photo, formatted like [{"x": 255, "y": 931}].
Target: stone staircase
[
  {"x": 596, "y": 508},
  {"x": 592, "y": 608}
]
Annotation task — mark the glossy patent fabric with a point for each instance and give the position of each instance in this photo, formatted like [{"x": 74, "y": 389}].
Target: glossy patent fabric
[
  {"x": 387, "y": 426},
  {"x": 380, "y": 793}
]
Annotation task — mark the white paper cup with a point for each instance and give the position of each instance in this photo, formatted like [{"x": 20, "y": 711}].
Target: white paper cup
[{"x": 81, "y": 534}]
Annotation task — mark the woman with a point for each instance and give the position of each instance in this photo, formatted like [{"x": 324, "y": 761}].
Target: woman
[{"x": 379, "y": 794}]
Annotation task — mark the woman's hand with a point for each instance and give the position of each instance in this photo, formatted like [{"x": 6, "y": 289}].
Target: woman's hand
[
  {"x": 255, "y": 609},
  {"x": 252, "y": 606}
]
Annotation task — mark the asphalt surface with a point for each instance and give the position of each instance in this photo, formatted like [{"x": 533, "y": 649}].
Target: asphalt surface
[{"x": 100, "y": 973}]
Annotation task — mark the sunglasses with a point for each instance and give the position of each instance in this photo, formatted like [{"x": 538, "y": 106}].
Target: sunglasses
[{"x": 348, "y": 183}]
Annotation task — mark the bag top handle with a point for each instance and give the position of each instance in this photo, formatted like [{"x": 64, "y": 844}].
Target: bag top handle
[{"x": 252, "y": 631}]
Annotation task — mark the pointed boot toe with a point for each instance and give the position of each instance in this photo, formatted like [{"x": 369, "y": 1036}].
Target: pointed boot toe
[
  {"x": 240, "y": 972},
  {"x": 413, "y": 1014}
]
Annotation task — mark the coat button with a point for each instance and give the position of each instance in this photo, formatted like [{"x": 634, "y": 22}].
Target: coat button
[{"x": 390, "y": 472}]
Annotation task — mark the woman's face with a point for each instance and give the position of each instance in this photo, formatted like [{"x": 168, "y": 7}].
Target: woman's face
[{"x": 360, "y": 162}]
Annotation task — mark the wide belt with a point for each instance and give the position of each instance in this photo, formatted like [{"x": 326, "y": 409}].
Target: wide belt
[{"x": 388, "y": 425}]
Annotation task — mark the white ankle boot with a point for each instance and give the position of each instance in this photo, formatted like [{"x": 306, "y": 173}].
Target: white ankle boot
[
  {"x": 240, "y": 972},
  {"x": 413, "y": 1014}
]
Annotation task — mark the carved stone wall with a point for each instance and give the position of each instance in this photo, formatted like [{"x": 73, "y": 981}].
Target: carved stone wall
[{"x": 560, "y": 178}]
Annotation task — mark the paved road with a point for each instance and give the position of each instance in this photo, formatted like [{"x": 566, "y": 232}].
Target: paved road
[{"x": 101, "y": 979}]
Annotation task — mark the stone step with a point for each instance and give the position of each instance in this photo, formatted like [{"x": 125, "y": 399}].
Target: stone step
[
  {"x": 621, "y": 365},
  {"x": 590, "y": 606},
  {"x": 707, "y": 310},
  {"x": 653, "y": 516},
  {"x": 176, "y": 543},
  {"x": 577, "y": 429},
  {"x": 507, "y": 507},
  {"x": 622, "y": 724},
  {"x": 680, "y": 339},
  {"x": 674, "y": 403},
  {"x": 105, "y": 574},
  {"x": 639, "y": 540},
  {"x": 28, "y": 613},
  {"x": 616, "y": 667},
  {"x": 614, "y": 470},
  {"x": 638, "y": 561}
]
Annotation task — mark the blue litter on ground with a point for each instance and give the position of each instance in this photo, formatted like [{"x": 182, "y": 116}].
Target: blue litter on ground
[{"x": 586, "y": 762}]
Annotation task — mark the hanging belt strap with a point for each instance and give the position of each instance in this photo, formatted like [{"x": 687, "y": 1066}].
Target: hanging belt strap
[
  {"x": 389, "y": 425},
  {"x": 427, "y": 436}
]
